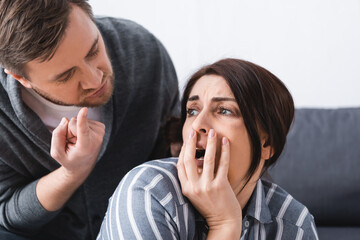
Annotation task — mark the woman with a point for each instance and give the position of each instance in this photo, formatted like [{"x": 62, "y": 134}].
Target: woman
[{"x": 235, "y": 117}]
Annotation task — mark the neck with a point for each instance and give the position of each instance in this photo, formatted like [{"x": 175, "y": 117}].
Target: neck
[{"x": 244, "y": 196}]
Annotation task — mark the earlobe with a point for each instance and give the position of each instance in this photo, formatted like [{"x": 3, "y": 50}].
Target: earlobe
[
  {"x": 266, "y": 150},
  {"x": 19, "y": 78}
]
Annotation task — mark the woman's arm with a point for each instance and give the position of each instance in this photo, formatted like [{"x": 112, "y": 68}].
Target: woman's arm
[{"x": 211, "y": 194}]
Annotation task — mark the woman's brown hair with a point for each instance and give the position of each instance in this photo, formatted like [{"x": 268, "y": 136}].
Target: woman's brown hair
[{"x": 265, "y": 103}]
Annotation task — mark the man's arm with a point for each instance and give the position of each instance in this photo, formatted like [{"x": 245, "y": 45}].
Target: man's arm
[
  {"x": 26, "y": 206},
  {"x": 77, "y": 155}
]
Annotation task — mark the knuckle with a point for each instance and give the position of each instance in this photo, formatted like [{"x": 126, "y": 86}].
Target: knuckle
[
  {"x": 217, "y": 186},
  {"x": 179, "y": 164},
  {"x": 197, "y": 191},
  {"x": 102, "y": 133},
  {"x": 187, "y": 159},
  {"x": 72, "y": 122},
  {"x": 207, "y": 188},
  {"x": 209, "y": 159},
  {"x": 54, "y": 153},
  {"x": 185, "y": 191},
  {"x": 55, "y": 132},
  {"x": 55, "y": 135},
  {"x": 85, "y": 131}
]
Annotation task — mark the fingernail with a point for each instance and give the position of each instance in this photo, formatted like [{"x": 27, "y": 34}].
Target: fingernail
[
  {"x": 191, "y": 134},
  {"x": 211, "y": 133},
  {"x": 86, "y": 112},
  {"x": 224, "y": 141},
  {"x": 63, "y": 121}
]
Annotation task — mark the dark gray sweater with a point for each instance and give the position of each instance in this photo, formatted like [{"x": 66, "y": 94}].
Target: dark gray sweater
[{"x": 146, "y": 92}]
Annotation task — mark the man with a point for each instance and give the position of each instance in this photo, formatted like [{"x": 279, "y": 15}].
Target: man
[{"x": 110, "y": 84}]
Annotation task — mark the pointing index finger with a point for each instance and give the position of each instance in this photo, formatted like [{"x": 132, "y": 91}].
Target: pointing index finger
[{"x": 82, "y": 125}]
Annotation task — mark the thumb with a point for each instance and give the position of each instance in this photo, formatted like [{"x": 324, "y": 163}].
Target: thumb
[
  {"x": 83, "y": 129},
  {"x": 58, "y": 140}
]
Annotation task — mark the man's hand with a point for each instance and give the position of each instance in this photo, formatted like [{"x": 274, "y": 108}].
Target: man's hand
[{"x": 76, "y": 144}]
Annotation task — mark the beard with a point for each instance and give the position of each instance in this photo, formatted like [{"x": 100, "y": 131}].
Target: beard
[{"x": 84, "y": 100}]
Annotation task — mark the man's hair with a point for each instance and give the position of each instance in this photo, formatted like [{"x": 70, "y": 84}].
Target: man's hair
[{"x": 32, "y": 30}]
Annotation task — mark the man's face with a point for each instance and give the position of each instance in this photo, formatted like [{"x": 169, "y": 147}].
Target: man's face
[{"x": 80, "y": 71}]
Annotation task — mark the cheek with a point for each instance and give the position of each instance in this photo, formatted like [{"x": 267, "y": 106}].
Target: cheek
[
  {"x": 240, "y": 156},
  {"x": 240, "y": 147},
  {"x": 104, "y": 61}
]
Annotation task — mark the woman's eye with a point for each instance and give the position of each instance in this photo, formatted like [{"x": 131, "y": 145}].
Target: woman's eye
[
  {"x": 225, "y": 111},
  {"x": 191, "y": 112}
]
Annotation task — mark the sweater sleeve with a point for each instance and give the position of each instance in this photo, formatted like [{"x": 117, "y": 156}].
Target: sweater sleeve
[{"x": 21, "y": 211}]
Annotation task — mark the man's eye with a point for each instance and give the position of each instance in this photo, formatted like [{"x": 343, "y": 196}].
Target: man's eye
[
  {"x": 94, "y": 53},
  {"x": 66, "y": 78},
  {"x": 191, "y": 112}
]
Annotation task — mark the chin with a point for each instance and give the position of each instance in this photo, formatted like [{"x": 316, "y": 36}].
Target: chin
[{"x": 99, "y": 101}]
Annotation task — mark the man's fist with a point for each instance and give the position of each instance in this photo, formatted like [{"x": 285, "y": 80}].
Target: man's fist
[{"x": 76, "y": 144}]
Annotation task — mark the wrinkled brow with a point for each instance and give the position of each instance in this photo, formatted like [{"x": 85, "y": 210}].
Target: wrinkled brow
[{"x": 214, "y": 99}]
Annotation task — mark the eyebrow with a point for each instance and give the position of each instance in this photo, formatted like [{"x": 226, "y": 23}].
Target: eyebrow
[
  {"x": 214, "y": 99},
  {"x": 65, "y": 73},
  {"x": 93, "y": 46}
]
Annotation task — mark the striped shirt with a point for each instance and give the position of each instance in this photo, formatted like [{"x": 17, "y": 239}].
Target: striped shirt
[{"x": 148, "y": 204}]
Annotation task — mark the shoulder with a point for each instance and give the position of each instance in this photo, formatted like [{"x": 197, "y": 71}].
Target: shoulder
[
  {"x": 135, "y": 52},
  {"x": 150, "y": 169},
  {"x": 148, "y": 202},
  {"x": 157, "y": 178},
  {"x": 123, "y": 30},
  {"x": 121, "y": 24},
  {"x": 287, "y": 211}
]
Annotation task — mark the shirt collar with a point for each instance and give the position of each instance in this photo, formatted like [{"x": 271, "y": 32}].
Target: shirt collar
[{"x": 257, "y": 207}]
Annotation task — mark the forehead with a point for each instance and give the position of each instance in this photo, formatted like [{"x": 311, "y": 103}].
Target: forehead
[
  {"x": 209, "y": 86},
  {"x": 78, "y": 38}
]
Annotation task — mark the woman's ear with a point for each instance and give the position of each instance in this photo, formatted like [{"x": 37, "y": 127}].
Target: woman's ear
[
  {"x": 266, "y": 149},
  {"x": 21, "y": 79}
]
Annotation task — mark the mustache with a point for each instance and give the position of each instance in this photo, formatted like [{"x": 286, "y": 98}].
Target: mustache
[{"x": 107, "y": 76}]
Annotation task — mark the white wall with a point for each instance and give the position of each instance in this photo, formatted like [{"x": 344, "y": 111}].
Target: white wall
[{"x": 311, "y": 45}]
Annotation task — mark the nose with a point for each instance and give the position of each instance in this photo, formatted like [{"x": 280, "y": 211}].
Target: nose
[
  {"x": 92, "y": 78},
  {"x": 201, "y": 123}
]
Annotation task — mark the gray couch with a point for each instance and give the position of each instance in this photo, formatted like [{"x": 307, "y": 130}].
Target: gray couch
[{"x": 320, "y": 167}]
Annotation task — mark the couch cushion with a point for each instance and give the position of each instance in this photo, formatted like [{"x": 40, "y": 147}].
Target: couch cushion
[
  {"x": 320, "y": 165},
  {"x": 338, "y": 233}
]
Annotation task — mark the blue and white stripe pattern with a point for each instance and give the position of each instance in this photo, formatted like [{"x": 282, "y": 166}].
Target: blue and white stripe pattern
[
  {"x": 148, "y": 204},
  {"x": 272, "y": 213}
]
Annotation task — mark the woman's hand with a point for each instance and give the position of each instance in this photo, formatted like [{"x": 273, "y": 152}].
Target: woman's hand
[{"x": 210, "y": 192}]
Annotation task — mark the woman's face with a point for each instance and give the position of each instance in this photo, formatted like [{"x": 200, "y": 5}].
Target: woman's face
[{"x": 212, "y": 105}]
